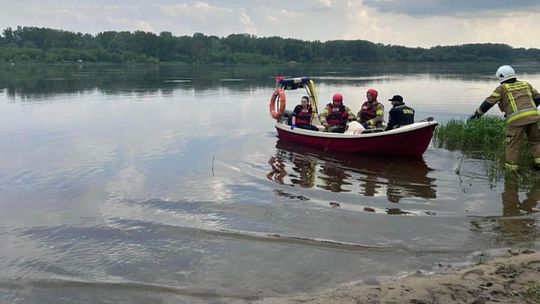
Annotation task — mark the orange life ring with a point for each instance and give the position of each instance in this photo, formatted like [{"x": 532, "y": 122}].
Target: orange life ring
[{"x": 278, "y": 97}]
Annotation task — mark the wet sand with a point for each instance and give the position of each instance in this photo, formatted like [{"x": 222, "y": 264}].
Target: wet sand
[{"x": 511, "y": 279}]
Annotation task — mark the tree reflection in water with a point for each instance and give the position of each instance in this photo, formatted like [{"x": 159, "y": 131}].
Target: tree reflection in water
[{"x": 394, "y": 177}]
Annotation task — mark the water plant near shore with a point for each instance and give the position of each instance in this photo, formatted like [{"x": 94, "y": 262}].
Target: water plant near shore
[{"x": 483, "y": 139}]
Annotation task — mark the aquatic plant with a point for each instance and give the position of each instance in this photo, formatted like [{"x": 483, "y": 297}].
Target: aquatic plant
[
  {"x": 482, "y": 138},
  {"x": 483, "y": 135}
]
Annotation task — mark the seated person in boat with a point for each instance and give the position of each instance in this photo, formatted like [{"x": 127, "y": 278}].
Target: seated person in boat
[
  {"x": 371, "y": 114},
  {"x": 400, "y": 114},
  {"x": 302, "y": 114},
  {"x": 335, "y": 115}
]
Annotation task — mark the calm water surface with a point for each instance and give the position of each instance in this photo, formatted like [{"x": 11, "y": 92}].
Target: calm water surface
[{"x": 168, "y": 184}]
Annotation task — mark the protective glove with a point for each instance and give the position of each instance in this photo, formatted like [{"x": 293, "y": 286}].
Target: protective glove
[
  {"x": 474, "y": 116},
  {"x": 293, "y": 126}
]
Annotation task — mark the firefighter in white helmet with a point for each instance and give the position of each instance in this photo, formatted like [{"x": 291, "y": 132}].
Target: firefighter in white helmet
[{"x": 519, "y": 101}]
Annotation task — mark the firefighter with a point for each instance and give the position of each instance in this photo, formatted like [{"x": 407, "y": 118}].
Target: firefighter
[
  {"x": 518, "y": 100},
  {"x": 371, "y": 114},
  {"x": 335, "y": 115}
]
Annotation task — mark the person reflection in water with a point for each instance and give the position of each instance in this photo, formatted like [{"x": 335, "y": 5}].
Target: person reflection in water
[
  {"x": 400, "y": 177},
  {"x": 336, "y": 172},
  {"x": 513, "y": 226},
  {"x": 334, "y": 177},
  {"x": 278, "y": 171},
  {"x": 305, "y": 167},
  {"x": 370, "y": 184}
]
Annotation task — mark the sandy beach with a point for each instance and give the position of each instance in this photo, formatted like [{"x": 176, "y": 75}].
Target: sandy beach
[{"x": 511, "y": 279}]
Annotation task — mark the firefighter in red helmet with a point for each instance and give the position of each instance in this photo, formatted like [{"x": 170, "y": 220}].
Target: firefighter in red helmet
[
  {"x": 371, "y": 114},
  {"x": 335, "y": 115}
]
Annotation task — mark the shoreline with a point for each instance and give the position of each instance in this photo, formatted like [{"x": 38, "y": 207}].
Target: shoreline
[{"x": 509, "y": 279}]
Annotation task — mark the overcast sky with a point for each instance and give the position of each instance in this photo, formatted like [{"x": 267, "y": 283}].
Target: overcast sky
[{"x": 422, "y": 23}]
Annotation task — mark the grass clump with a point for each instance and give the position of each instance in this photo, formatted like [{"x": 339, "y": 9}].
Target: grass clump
[
  {"x": 532, "y": 293},
  {"x": 482, "y": 138},
  {"x": 483, "y": 135}
]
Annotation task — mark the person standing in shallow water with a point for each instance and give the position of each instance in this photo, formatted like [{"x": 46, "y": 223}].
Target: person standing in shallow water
[
  {"x": 519, "y": 101},
  {"x": 400, "y": 114}
]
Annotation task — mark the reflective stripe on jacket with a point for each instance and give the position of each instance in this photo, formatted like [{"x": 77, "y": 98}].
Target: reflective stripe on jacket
[
  {"x": 516, "y": 100},
  {"x": 400, "y": 115},
  {"x": 372, "y": 111}
]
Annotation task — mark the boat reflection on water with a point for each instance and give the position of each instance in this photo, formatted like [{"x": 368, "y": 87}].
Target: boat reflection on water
[{"x": 369, "y": 175}]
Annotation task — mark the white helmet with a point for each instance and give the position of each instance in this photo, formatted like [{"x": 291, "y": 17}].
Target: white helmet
[{"x": 505, "y": 72}]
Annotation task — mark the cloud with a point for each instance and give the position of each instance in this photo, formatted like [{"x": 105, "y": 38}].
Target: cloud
[
  {"x": 411, "y": 23},
  {"x": 361, "y": 21},
  {"x": 249, "y": 26},
  {"x": 145, "y": 27},
  {"x": 446, "y": 7},
  {"x": 195, "y": 10},
  {"x": 210, "y": 19},
  {"x": 326, "y": 3}
]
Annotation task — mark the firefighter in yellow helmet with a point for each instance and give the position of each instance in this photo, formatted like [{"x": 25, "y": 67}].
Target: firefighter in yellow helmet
[{"x": 518, "y": 100}]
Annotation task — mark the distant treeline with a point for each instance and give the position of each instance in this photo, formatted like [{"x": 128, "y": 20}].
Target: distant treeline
[{"x": 52, "y": 45}]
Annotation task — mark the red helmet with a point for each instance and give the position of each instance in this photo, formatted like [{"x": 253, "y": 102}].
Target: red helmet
[
  {"x": 373, "y": 93},
  {"x": 337, "y": 97}
]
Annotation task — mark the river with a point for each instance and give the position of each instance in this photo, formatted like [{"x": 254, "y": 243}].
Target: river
[{"x": 167, "y": 183}]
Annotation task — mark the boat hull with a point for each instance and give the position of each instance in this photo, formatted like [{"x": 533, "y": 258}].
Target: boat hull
[{"x": 410, "y": 140}]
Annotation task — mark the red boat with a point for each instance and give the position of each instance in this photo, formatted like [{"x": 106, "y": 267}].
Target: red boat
[{"x": 409, "y": 140}]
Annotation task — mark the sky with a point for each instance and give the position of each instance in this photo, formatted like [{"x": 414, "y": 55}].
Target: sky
[{"x": 412, "y": 23}]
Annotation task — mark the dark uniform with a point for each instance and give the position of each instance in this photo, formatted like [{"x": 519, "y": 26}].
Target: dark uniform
[{"x": 400, "y": 115}]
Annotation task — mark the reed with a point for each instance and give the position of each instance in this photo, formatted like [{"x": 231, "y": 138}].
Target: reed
[
  {"x": 482, "y": 138},
  {"x": 481, "y": 135}
]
